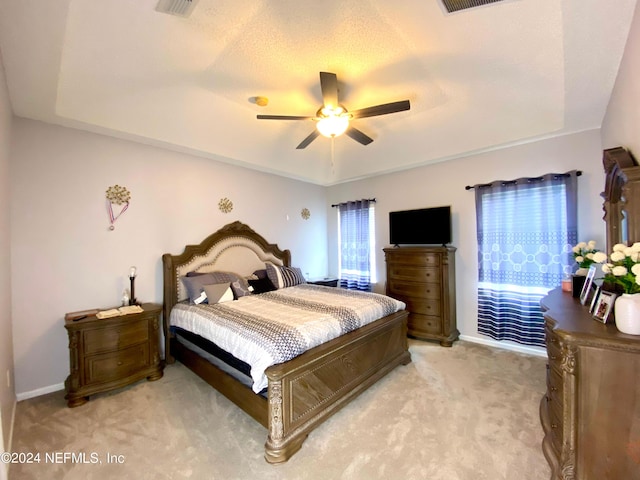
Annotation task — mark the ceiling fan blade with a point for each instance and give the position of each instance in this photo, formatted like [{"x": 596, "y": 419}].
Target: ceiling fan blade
[
  {"x": 358, "y": 136},
  {"x": 312, "y": 136},
  {"x": 329, "y": 87},
  {"x": 283, "y": 117},
  {"x": 383, "y": 109}
]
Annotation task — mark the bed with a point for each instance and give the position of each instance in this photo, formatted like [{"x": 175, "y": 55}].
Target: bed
[{"x": 302, "y": 392}]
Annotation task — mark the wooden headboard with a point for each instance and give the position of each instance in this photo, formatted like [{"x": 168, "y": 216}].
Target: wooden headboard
[{"x": 236, "y": 247}]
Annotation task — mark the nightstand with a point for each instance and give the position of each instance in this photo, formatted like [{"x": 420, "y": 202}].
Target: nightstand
[
  {"x": 113, "y": 352},
  {"x": 327, "y": 282}
]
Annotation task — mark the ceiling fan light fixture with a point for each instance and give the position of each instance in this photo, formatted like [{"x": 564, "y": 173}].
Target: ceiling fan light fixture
[
  {"x": 333, "y": 125},
  {"x": 332, "y": 119}
]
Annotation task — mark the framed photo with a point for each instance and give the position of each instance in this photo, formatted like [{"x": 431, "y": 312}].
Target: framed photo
[
  {"x": 596, "y": 295},
  {"x": 587, "y": 290},
  {"x": 604, "y": 306}
]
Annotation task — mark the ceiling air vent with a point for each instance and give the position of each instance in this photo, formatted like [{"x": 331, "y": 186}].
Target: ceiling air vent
[
  {"x": 455, "y": 5},
  {"x": 181, "y": 8}
]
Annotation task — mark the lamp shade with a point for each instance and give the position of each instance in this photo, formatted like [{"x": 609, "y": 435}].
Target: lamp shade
[{"x": 333, "y": 125}]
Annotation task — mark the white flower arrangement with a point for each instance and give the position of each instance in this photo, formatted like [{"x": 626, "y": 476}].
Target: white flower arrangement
[
  {"x": 584, "y": 254},
  {"x": 623, "y": 268}
]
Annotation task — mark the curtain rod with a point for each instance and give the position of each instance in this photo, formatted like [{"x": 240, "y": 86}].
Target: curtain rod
[
  {"x": 344, "y": 203},
  {"x": 534, "y": 179}
]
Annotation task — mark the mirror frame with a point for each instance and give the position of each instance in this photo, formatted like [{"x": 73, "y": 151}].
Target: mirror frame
[{"x": 621, "y": 197}]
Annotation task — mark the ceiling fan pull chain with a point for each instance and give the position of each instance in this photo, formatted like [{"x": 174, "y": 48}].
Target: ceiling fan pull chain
[{"x": 333, "y": 170}]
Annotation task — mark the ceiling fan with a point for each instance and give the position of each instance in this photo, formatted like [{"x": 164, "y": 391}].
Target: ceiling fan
[{"x": 333, "y": 119}]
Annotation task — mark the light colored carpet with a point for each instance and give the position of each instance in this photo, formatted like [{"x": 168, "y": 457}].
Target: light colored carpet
[{"x": 463, "y": 413}]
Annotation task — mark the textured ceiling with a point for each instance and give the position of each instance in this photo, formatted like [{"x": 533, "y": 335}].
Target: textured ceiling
[{"x": 477, "y": 79}]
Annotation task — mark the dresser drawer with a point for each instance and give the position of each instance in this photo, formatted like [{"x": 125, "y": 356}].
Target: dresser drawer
[
  {"x": 414, "y": 274},
  {"x": 554, "y": 349},
  {"x": 424, "y": 324},
  {"x": 116, "y": 365},
  {"x": 555, "y": 358},
  {"x": 115, "y": 337},
  {"x": 416, "y": 259},
  {"x": 424, "y": 307},
  {"x": 413, "y": 289},
  {"x": 555, "y": 423},
  {"x": 555, "y": 390}
]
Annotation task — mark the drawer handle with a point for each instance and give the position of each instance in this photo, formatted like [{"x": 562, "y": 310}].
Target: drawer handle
[
  {"x": 554, "y": 389},
  {"x": 553, "y": 357},
  {"x": 119, "y": 364},
  {"x": 554, "y": 426}
]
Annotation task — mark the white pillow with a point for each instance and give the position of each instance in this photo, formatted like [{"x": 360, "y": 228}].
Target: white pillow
[{"x": 218, "y": 293}]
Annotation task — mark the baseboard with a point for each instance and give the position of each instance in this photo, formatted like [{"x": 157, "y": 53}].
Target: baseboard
[
  {"x": 39, "y": 391},
  {"x": 537, "y": 351}
]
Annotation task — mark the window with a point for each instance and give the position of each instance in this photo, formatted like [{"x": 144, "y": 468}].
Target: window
[
  {"x": 356, "y": 241},
  {"x": 526, "y": 229}
]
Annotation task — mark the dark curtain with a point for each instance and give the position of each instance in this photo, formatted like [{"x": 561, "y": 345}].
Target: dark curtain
[
  {"x": 526, "y": 229},
  {"x": 355, "y": 249}
]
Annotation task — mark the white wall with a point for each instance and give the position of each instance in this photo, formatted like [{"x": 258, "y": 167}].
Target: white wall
[
  {"x": 444, "y": 184},
  {"x": 64, "y": 258},
  {"x": 621, "y": 125},
  {"x": 7, "y": 392}
]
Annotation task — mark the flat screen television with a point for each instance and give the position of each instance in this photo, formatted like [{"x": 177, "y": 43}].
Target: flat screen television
[{"x": 425, "y": 226}]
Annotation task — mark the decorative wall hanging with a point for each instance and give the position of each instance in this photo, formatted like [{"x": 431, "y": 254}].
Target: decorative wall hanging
[
  {"x": 117, "y": 195},
  {"x": 305, "y": 213},
  {"x": 225, "y": 205}
]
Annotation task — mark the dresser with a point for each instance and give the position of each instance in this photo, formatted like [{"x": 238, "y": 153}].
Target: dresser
[
  {"x": 105, "y": 354},
  {"x": 424, "y": 279},
  {"x": 590, "y": 413}
]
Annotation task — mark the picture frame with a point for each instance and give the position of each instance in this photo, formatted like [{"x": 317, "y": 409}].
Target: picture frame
[
  {"x": 596, "y": 295},
  {"x": 603, "y": 309},
  {"x": 587, "y": 290}
]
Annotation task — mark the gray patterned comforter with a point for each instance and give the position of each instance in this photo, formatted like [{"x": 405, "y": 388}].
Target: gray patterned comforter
[{"x": 271, "y": 328}]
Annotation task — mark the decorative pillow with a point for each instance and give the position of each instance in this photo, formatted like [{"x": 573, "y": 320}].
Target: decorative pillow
[
  {"x": 262, "y": 285},
  {"x": 218, "y": 293},
  {"x": 195, "y": 284},
  {"x": 273, "y": 274},
  {"x": 282, "y": 277},
  {"x": 261, "y": 273},
  {"x": 239, "y": 285},
  {"x": 292, "y": 276}
]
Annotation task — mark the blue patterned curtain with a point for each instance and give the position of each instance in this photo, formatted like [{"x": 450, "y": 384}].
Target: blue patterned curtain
[
  {"x": 526, "y": 229},
  {"x": 355, "y": 247}
]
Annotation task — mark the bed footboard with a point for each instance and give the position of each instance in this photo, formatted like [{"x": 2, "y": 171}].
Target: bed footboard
[{"x": 307, "y": 390}]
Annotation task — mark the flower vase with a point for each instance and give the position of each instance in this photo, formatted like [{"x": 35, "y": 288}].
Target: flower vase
[{"x": 627, "y": 313}]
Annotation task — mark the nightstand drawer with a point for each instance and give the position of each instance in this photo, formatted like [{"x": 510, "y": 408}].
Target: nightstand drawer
[
  {"x": 113, "y": 366},
  {"x": 113, "y": 338}
]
